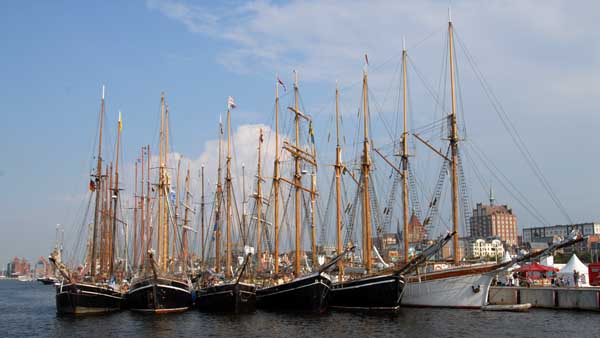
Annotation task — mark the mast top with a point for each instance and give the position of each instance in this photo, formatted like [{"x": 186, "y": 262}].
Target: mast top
[
  {"x": 403, "y": 43},
  {"x": 102, "y": 92},
  {"x": 295, "y": 79},
  {"x": 492, "y": 199},
  {"x": 450, "y": 13}
]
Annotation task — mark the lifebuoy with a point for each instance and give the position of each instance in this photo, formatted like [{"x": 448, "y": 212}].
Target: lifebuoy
[{"x": 437, "y": 267}]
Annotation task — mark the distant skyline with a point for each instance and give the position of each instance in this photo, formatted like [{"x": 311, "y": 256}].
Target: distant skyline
[{"x": 541, "y": 59}]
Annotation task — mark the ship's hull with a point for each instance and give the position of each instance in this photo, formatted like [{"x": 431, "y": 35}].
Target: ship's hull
[
  {"x": 467, "y": 291},
  {"x": 305, "y": 294},
  {"x": 159, "y": 295},
  {"x": 227, "y": 298},
  {"x": 376, "y": 293},
  {"x": 82, "y": 298}
]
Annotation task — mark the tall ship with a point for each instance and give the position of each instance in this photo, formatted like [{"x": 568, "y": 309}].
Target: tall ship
[
  {"x": 461, "y": 285},
  {"x": 96, "y": 287},
  {"x": 161, "y": 282},
  {"x": 303, "y": 289},
  {"x": 373, "y": 290},
  {"x": 230, "y": 294}
]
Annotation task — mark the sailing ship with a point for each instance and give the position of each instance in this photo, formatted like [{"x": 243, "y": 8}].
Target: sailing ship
[
  {"x": 159, "y": 286},
  {"x": 98, "y": 291},
  {"x": 376, "y": 291},
  {"x": 461, "y": 285},
  {"x": 298, "y": 292},
  {"x": 229, "y": 295}
]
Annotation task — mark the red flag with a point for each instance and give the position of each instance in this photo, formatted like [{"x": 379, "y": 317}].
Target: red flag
[{"x": 92, "y": 186}]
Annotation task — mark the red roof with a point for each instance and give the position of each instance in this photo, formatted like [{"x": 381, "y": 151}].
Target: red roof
[{"x": 536, "y": 267}]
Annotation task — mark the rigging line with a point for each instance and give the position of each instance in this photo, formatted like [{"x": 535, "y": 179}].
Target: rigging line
[
  {"x": 380, "y": 114},
  {"x": 509, "y": 125},
  {"x": 478, "y": 174},
  {"x": 489, "y": 164},
  {"x": 428, "y": 87}
]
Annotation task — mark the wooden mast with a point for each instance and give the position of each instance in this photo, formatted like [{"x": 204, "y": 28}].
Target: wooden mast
[
  {"x": 135, "y": 213},
  {"x": 148, "y": 227},
  {"x": 313, "y": 225},
  {"x": 228, "y": 212},
  {"x": 366, "y": 166},
  {"x": 160, "y": 181},
  {"x": 219, "y": 200},
  {"x": 338, "y": 184},
  {"x": 184, "y": 235},
  {"x": 404, "y": 157},
  {"x": 202, "y": 243},
  {"x": 297, "y": 179},
  {"x": 142, "y": 216},
  {"x": 98, "y": 190},
  {"x": 107, "y": 220},
  {"x": 454, "y": 147},
  {"x": 166, "y": 190},
  {"x": 114, "y": 198},
  {"x": 176, "y": 218},
  {"x": 259, "y": 204},
  {"x": 276, "y": 182}
]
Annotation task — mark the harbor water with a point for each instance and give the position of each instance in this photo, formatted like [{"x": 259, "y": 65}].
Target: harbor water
[{"x": 28, "y": 310}]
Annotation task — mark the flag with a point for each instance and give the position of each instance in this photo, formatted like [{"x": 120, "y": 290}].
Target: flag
[
  {"x": 281, "y": 83},
  {"x": 120, "y": 121},
  {"x": 230, "y": 103},
  {"x": 221, "y": 124},
  {"x": 366, "y": 59},
  {"x": 92, "y": 186},
  {"x": 311, "y": 132},
  {"x": 172, "y": 196}
]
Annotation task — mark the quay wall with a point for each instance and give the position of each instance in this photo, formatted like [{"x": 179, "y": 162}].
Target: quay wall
[{"x": 547, "y": 297}]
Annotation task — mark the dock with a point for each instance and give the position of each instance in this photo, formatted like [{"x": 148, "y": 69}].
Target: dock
[{"x": 571, "y": 298}]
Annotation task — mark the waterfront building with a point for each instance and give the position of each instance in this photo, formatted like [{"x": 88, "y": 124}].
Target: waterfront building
[
  {"x": 490, "y": 247},
  {"x": 547, "y": 233},
  {"x": 494, "y": 221}
]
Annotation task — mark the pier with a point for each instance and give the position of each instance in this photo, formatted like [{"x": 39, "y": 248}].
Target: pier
[{"x": 583, "y": 298}]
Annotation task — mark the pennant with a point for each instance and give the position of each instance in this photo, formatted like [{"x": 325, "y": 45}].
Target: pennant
[
  {"x": 92, "y": 186},
  {"x": 311, "y": 132},
  {"x": 366, "y": 59},
  {"x": 230, "y": 103},
  {"x": 282, "y": 84}
]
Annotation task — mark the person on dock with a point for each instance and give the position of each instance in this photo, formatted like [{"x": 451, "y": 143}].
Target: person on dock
[{"x": 576, "y": 278}]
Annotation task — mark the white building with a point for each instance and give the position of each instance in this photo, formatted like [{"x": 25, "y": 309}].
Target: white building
[{"x": 485, "y": 248}]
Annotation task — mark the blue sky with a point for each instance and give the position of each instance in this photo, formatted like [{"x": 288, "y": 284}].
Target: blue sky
[{"x": 541, "y": 61}]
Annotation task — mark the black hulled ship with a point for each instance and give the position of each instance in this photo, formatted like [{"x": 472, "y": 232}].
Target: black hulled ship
[
  {"x": 159, "y": 295},
  {"x": 382, "y": 293},
  {"x": 305, "y": 294},
  {"x": 98, "y": 291},
  {"x": 161, "y": 283},
  {"x": 87, "y": 298},
  {"x": 228, "y": 296},
  {"x": 379, "y": 292}
]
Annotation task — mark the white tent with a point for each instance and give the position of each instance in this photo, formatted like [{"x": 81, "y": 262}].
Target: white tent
[{"x": 575, "y": 264}]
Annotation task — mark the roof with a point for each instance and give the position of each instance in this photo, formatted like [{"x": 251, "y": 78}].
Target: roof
[
  {"x": 535, "y": 267},
  {"x": 574, "y": 264}
]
